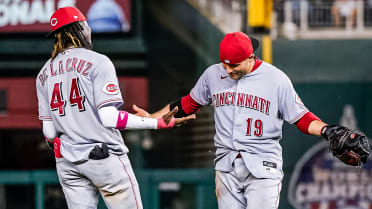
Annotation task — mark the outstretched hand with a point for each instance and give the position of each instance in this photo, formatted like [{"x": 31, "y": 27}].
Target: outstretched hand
[
  {"x": 141, "y": 112},
  {"x": 183, "y": 120},
  {"x": 167, "y": 117},
  {"x": 177, "y": 121}
]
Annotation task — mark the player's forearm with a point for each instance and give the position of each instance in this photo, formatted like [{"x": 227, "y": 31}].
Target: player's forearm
[
  {"x": 310, "y": 124},
  {"x": 113, "y": 118},
  {"x": 315, "y": 127}
]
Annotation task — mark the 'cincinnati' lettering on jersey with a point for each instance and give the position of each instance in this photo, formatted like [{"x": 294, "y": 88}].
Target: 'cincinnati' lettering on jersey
[{"x": 242, "y": 100}]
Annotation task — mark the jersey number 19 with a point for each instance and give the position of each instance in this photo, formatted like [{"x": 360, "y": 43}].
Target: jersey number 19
[{"x": 257, "y": 125}]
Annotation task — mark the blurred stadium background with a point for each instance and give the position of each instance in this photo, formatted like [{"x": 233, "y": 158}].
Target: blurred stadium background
[{"x": 158, "y": 57}]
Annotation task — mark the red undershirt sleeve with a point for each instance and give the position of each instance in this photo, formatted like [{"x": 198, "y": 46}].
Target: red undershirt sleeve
[
  {"x": 189, "y": 106},
  {"x": 304, "y": 123}
]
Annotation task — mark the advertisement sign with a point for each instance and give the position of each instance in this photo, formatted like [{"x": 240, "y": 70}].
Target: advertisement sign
[
  {"x": 33, "y": 15},
  {"x": 321, "y": 181}
]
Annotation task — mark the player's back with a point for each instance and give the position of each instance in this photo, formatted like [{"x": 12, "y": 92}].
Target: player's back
[{"x": 75, "y": 84}]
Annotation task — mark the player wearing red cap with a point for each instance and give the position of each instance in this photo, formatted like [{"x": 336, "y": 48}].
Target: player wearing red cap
[
  {"x": 78, "y": 96},
  {"x": 251, "y": 99}
]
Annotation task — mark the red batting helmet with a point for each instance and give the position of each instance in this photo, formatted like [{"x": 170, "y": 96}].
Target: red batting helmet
[{"x": 63, "y": 17}]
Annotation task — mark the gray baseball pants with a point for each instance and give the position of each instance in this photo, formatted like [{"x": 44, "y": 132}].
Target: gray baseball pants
[{"x": 112, "y": 177}]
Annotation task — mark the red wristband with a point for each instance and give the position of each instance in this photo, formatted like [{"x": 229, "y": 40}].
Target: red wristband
[{"x": 162, "y": 124}]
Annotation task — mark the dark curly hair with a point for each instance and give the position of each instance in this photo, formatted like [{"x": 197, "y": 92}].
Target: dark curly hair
[{"x": 69, "y": 35}]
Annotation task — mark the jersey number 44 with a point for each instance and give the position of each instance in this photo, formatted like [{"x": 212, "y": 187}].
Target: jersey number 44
[{"x": 76, "y": 97}]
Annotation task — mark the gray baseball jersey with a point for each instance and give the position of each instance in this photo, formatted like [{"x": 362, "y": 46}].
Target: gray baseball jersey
[
  {"x": 249, "y": 115},
  {"x": 70, "y": 90}
]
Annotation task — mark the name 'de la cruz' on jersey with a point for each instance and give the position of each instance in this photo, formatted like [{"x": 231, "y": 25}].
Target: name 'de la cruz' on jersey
[
  {"x": 71, "y": 88},
  {"x": 69, "y": 65}
]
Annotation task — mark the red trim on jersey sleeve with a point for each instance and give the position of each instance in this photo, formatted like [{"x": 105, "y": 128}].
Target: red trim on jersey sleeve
[
  {"x": 189, "y": 106},
  {"x": 304, "y": 122},
  {"x": 257, "y": 63},
  {"x": 45, "y": 117}
]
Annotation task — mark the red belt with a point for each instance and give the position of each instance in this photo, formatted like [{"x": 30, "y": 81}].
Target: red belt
[{"x": 239, "y": 156}]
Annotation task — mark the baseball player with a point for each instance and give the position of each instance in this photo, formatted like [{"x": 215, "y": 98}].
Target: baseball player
[
  {"x": 251, "y": 99},
  {"x": 78, "y": 96}
]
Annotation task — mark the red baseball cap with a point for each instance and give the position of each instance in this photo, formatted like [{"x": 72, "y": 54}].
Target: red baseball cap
[
  {"x": 236, "y": 47},
  {"x": 64, "y": 16}
]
